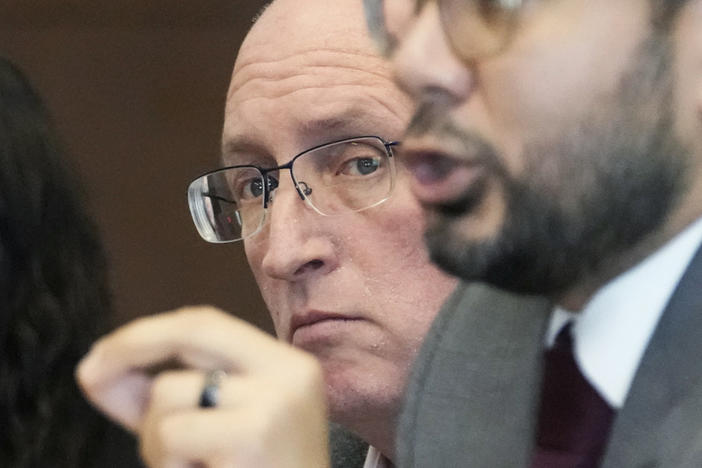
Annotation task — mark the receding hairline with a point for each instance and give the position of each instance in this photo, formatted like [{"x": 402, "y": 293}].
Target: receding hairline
[{"x": 261, "y": 11}]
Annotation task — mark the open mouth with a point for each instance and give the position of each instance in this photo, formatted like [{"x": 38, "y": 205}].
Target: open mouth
[
  {"x": 431, "y": 168},
  {"x": 440, "y": 179}
]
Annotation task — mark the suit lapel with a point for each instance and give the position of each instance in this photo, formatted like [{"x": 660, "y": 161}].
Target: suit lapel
[
  {"x": 473, "y": 394},
  {"x": 660, "y": 423}
]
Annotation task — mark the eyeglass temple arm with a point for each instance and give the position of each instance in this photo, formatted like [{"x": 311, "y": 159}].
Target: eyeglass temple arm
[{"x": 217, "y": 197}]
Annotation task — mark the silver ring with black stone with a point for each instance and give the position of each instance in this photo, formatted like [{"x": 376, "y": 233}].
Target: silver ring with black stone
[{"x": 209, "y": 397}]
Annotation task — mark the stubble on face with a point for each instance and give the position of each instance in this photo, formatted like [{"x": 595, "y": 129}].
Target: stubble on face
[{"x": 588, "y": 192}]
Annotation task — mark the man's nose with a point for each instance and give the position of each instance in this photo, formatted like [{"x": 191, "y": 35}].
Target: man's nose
[
  {"x": 299, "y": 243},
  {"x": 425, "y": 63}
]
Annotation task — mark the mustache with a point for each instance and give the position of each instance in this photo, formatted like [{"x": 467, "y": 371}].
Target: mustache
[{"x": 431, "y": 118}]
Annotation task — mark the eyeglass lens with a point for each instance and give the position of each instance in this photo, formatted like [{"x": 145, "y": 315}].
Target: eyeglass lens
[
  {"x": 475, "y": 28},
  {"x": 478, "y": 28},
  {"x": 350, "y": 175}
]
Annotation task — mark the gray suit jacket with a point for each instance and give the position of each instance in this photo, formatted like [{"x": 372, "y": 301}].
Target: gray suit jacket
[
  {"x": 346, "y": 449},
  {"x": 473, "y": 396}
]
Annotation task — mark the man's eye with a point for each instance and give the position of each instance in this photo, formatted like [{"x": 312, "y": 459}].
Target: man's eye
[
  {"x": 251, "y": 188},
  {"x": 360, "y": 166}
]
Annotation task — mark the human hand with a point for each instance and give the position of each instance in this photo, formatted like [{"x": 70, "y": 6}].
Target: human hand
[{"x": 271, "y": 409}]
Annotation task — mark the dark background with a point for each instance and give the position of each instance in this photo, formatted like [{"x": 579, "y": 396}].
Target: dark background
[{"x": 137, "y": 90}]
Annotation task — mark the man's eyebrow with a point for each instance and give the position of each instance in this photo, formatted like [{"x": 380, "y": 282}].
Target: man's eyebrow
[
  {"x": 231, "y": 147},
  {"x": 320, "y": 126},
  {"x": 350, "y": 121},
  {"x": 324, "y": 130}
]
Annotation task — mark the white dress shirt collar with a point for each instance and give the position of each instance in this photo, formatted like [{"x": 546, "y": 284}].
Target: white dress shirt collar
[
  {"x": 375, "y": 459},
  {"x": 613, "y": 330}
]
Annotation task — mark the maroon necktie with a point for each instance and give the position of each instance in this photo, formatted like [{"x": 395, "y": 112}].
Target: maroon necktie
[{"x": 574, "y": 421}]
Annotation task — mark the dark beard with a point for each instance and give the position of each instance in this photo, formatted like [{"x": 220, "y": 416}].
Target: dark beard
[{"x": 585, "y": 198}]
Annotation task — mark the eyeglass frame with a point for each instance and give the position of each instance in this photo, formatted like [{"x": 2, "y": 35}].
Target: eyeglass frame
[
  {"x": 377, "y": 26},
  {"x": 267, "y": 191}
]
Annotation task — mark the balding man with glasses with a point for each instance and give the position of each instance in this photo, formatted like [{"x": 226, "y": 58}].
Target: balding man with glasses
[
  {"x": 310, "y": 184},
  {"x": 557, "y": 149}
]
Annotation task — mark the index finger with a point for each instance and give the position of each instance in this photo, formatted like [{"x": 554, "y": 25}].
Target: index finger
[{"x": 117, "y": 373}]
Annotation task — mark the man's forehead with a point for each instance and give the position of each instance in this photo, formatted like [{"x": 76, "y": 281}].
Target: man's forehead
[
  {"x": 318, "y": 85},
  {"x": 329, "y": 34},
  {"x": 279, "y": 72},
  {"x": 310, "y": 71}
]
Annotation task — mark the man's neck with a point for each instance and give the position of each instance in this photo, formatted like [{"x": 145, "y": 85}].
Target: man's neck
[
  {"x": 383, "y": 442},
  {"x": 575, "y": 298},
  {"x": 377, "y": 430}
]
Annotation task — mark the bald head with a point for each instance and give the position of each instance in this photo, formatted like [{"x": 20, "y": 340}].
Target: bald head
[
  {"x": 292, "y": 28},
  {"x": 309, "y": 24}
]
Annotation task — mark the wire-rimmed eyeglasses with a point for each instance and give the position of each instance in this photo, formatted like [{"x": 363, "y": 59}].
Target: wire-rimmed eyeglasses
[
  {"x": 474, "y": 28},
  {"x": 349, "y": 175}
]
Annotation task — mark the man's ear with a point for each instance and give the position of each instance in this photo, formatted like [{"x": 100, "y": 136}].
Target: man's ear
[
  {"x": 693, "y": 13},
  {"x": 686, "y": 33}
]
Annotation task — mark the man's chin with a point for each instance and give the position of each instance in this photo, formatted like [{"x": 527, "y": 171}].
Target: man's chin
[
  {"x": 352, "y": 393},
  {"x": 447, "y": 246},
  {"x": 355, "y": 407}
]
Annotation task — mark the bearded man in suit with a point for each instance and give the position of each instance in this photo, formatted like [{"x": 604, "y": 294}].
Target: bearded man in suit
[{"x": 557, "y": 149}]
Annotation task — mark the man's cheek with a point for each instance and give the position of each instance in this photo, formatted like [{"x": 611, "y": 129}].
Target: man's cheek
[{"x": 279, "y": 325}]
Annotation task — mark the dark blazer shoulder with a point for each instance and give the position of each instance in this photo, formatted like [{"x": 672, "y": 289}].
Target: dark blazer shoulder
[
  {"x": 471, "y": 396},
  {"x": 660, "y": 423}
]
